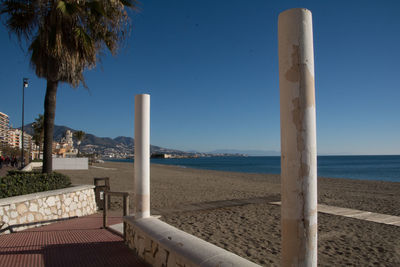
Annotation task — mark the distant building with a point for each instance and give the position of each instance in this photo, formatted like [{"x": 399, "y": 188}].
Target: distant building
[
  {"x": 27, "y": 141},
  {"x": 162, "y": 156},
  {"x": 4, "y": 127},
  {"x": 65, "y": 148},
  {"x": 35, "y": 151},
  {"x": 15, "y": 139},
  {"x": 68, "y": 139}
]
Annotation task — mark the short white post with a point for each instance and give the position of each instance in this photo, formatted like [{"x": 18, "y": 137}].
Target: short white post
[
  {"x": 142, "y": 156},
  {"x": 298, "y": 139}
]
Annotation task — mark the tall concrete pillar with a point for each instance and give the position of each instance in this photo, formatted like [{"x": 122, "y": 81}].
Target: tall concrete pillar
[
  {"x": 142, "y": 156},
  {"x": 298, "y": 139}
]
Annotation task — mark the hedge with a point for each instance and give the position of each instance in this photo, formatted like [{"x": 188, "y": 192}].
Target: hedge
[{"x": 21, "y": 183}]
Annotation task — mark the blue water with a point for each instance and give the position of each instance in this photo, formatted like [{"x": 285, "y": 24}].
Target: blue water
[{"x": 381, "y": 168}]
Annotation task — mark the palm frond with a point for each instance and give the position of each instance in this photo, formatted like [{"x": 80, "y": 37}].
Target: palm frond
[
  {"x": 62, "y": 7},
  {"x": 66, "y": 37},
  {"x": 130, "y": 3},
  {"x": 20, "y": 17},
  {"x": 96, "y": 8}
]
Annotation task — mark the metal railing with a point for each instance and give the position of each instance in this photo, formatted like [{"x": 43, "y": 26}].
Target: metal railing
[
  {"x": 125, "y": 209},
  {"x": 101, "y": 189}
]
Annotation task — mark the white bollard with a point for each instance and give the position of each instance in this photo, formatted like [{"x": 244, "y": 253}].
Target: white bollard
[
  {"x": 142, "y": 156},
  {"x": 298, "y": 139}
]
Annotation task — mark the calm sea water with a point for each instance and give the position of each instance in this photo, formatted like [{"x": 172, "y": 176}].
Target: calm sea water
[{"x": 383, "y": 168}]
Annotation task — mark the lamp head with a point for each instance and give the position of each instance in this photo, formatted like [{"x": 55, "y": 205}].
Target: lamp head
[{"x": 25, "y": 81}]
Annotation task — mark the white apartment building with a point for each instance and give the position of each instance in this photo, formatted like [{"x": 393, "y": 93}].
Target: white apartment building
[{"x": 15, "y": 139}]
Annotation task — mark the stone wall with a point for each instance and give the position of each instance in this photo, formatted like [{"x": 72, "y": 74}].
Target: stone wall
[
  {"x": 31, "y": 166},
  {"x": 61, "y": 164},
  {"x": 21, "y": 212},
  {"x": 160, "y": 244},
  {"x": 70, "y": 163}
]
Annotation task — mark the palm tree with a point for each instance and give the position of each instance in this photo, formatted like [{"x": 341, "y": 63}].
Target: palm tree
[
  {"x": 79, "y": 135},
  {"x": 64, "y": 39},
  {"x": 38, "y": 131}
]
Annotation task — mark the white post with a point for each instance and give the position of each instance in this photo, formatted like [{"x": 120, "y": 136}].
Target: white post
[
  {"x": 298, "y": 139},
  {"x": 142, "y": 156}
]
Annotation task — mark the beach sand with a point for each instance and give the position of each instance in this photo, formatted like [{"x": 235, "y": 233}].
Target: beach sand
[{"x": 186, "y": 198}]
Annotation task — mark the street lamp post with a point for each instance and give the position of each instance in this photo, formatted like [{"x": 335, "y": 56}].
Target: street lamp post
[{"x": 24, "y": 84}]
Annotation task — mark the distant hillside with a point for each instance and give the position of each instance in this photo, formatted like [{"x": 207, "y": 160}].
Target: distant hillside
[
  {"x": 124, "y": 145},
  {"x": 128, "y": 141},
  {"x": 90, "y": 139},
  {"x": 102, "y": 142},
  {"x": 59, "y": 131}
]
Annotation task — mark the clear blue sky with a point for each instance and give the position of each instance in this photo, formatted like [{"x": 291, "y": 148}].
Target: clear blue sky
[{"x": 211, "y": 68}]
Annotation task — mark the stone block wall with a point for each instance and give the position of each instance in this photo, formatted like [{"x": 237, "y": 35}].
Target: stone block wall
[
  {"x": 21, "y": 212},
  {"x": 162, "y": 245},
  {"x": 151, "y": 252}
]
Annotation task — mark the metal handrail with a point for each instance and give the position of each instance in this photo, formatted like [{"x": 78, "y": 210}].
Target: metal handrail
[{"x": 125, "y": 209}]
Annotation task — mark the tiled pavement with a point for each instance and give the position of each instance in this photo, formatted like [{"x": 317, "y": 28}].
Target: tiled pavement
[
  {"x": 357, "y": 214},
  {"x": 76, "y": 242}
]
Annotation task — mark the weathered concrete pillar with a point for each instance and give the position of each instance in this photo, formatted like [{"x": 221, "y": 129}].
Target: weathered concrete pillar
[
  {"x": 298, "y": 139},
  {"x": 142, "y": 156}
]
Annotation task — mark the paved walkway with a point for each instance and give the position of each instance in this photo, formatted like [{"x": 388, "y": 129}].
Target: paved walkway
[
  {"x": 345, "y": 212},
  {"x": 76, "y": 242},
  {"x": 103, "y": 168},
  {"x": 357, "y": 214}
]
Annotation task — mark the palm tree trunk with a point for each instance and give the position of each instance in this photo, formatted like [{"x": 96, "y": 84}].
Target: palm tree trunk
[{"x": 48, "y": 125}]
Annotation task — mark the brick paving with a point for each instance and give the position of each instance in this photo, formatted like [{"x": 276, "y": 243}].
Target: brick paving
[{"x": 76, "y": 242}]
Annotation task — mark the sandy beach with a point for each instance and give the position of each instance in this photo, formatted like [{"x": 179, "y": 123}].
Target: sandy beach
[{"x": 253, "y": 230}]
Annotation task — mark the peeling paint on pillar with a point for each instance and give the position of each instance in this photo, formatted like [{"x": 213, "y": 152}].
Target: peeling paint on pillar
[
  {"x": 298, "y": 139},
  {"x": 142, "y": 156}
]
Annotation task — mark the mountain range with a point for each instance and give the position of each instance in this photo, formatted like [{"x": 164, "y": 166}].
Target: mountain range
[
  {"x": 127, "y": 143},
  {"x": 90, "y": 139},
  {"x": 123, "y": 144}
]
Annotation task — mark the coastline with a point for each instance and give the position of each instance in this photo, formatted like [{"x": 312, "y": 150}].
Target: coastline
[
  {"x": 253, "y": 231},
  {"x": 367, "y": 167}
]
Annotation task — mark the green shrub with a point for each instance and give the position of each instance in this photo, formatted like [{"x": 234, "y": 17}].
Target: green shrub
[{"x": 21, "y": 183}]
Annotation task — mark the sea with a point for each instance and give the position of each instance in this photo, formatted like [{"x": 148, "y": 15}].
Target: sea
[{"x": 380, "y": 168}]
